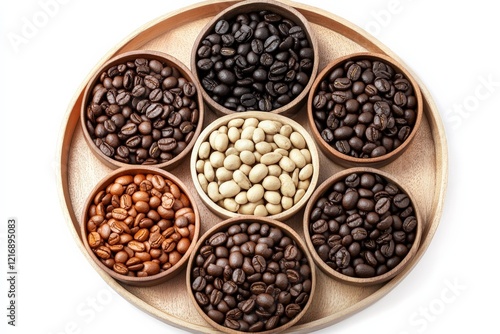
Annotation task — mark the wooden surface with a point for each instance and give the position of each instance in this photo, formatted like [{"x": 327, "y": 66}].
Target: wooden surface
[{"x": 423, "y": 169}]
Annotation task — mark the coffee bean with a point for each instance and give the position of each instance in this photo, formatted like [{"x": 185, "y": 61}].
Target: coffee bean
[
  {"x": 143, "y": 93},
  {"x": 372, "y": 108},
  {"x": 364, "y": 233},
  {"x": 250, "y": 55},
  {"x": 261, "y": 287}
]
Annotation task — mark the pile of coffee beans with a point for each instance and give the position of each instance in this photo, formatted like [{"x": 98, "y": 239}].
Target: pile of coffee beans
[
  {"x": 363, "y": 225},
  {"x": 140, "y": 225},
  {"x": 251, "y": 277},
  {"x": 255, "y": 61},
  {"x": 364, "y": 108},
  {"x": 254, "y": 167},
  {"x": 142, "y": 112}
]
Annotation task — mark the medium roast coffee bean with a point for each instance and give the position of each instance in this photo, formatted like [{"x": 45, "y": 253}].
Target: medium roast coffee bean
[
  {"x": 256, "y": 292},
  {"x": 149, "y": 98},
  {"x": 358, "y": 108},
  {"x": 131, "y": 222},
  {"x": 369, "y": 232},
  {"x": 252, "y": 62}
]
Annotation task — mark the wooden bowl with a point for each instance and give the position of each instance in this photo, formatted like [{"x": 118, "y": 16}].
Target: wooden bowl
[
  {"x": 166, "y": 60},
  {"x": 260, "y": 116},
  {"x": 347, "y": 160},
  {"x": 248, "y": 6},
  {"x": 326, "y": 186},
  {"x": 103, "y": 185},
  {"x": 223, "y": 227}
]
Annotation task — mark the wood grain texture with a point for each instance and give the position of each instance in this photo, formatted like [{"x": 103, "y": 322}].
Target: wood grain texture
[{"x": 423, "y": 169}]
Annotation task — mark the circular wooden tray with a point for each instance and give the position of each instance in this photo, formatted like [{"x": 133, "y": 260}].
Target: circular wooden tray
[{"x": 423, "y": 168}]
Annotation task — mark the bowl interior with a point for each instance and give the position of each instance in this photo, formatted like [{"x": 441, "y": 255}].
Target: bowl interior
[
  {"x": 245, "y": 7},
  {"x": 350, "y": 161},
  {"x": 204, "y": 136},
  {"x": 163, "y": 275},
  {"x": 223, "y": 227},
  {"x": 130, "y": 57},
  {"x": 326, "y": 187}
]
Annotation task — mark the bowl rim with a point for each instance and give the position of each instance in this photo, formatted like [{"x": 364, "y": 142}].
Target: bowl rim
[
  {"x": 323, "y": 187},
  {"x": 260, "y": 115},
  {"x": 224, "y": 225},
  {"x": 294, "y": 105},
  {"x": 346, "y": 160},
  {"x": 102, "y": 185},
  {"x": 120, "y": 58}
]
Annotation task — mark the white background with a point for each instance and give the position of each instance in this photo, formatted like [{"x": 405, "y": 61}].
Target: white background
[{"x": 451, "y": 46}]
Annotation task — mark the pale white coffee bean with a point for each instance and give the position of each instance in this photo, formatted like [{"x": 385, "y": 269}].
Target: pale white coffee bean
[
  {"x": 307, "y": 155},
  {"x": 232, "y": 162},
  {"x": 231, "y": 151},
  {"x": 247, "y": 157},
  {"x": 241, "y": 198},
  {"x": 230, "y": 205},
  {"x": 204, "y": 151},
  {"x": 229, "y": 188},
  {"x": 271, "y": 182},
  {"x": 297, "y": 158},
  {"x": 272, "y": 197},
  {"x": 306, "y": 172},
  {"x": 258, "y": 135},
  {"x": 251, "y": 121},
  {"x": 304, "y": 184},
  {"x": 233, "y": 134},
  {"x": 274, "y": 170},
  {"x": 287, "y": 187},
  {"x": 236, "y": 123},
  {"x": 213, "y": 192},
  {"x": 273, "y": 209},
  {"x": 222, "y": 174},
  {"x": 286, "y": 130},
  {"x": 269, "y": 127},
  {"x": 263, "y": 147},
  {"x": 248, "y": 208},
  {"x": 258, "y": 173},
  {"x": 286, "y": 202},
  {"x": 271, "y": 158},
  {"x": 221, "y": 142},
  {"x": 203, "y": 181},
  {"x": 257, "y": 156},
  {"x": 209, "y": 172},
  {"x": 287, "y": 164},
  {"x": 241, "y": 179},
  {"x": 246, "y": 169},
  {"x": 282, "y": 141},
  {"x": 255, "y": 193},
  {"x": 217, "y": 159},
  {"x": 260, "y": 210},
  {"x": 297, "y": 140},
  {"x": 298, "y": 195},
  {"x": 247, "y": 133},
  {"x": 199, "y": 166},
  {"x": 295, "y": 176},
  {"x": 281, "y": 151},
  {"x": 244, "y": 145},
  {"x": 211, "y": 138}
]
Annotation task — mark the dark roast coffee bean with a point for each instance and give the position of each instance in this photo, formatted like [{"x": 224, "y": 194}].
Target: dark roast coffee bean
[
  {"x": 256, "y": 290},
  {"x": 368, "y": 234},
  {"x": 258, "y": 50},
  {"x": 369, "y": 98}
]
